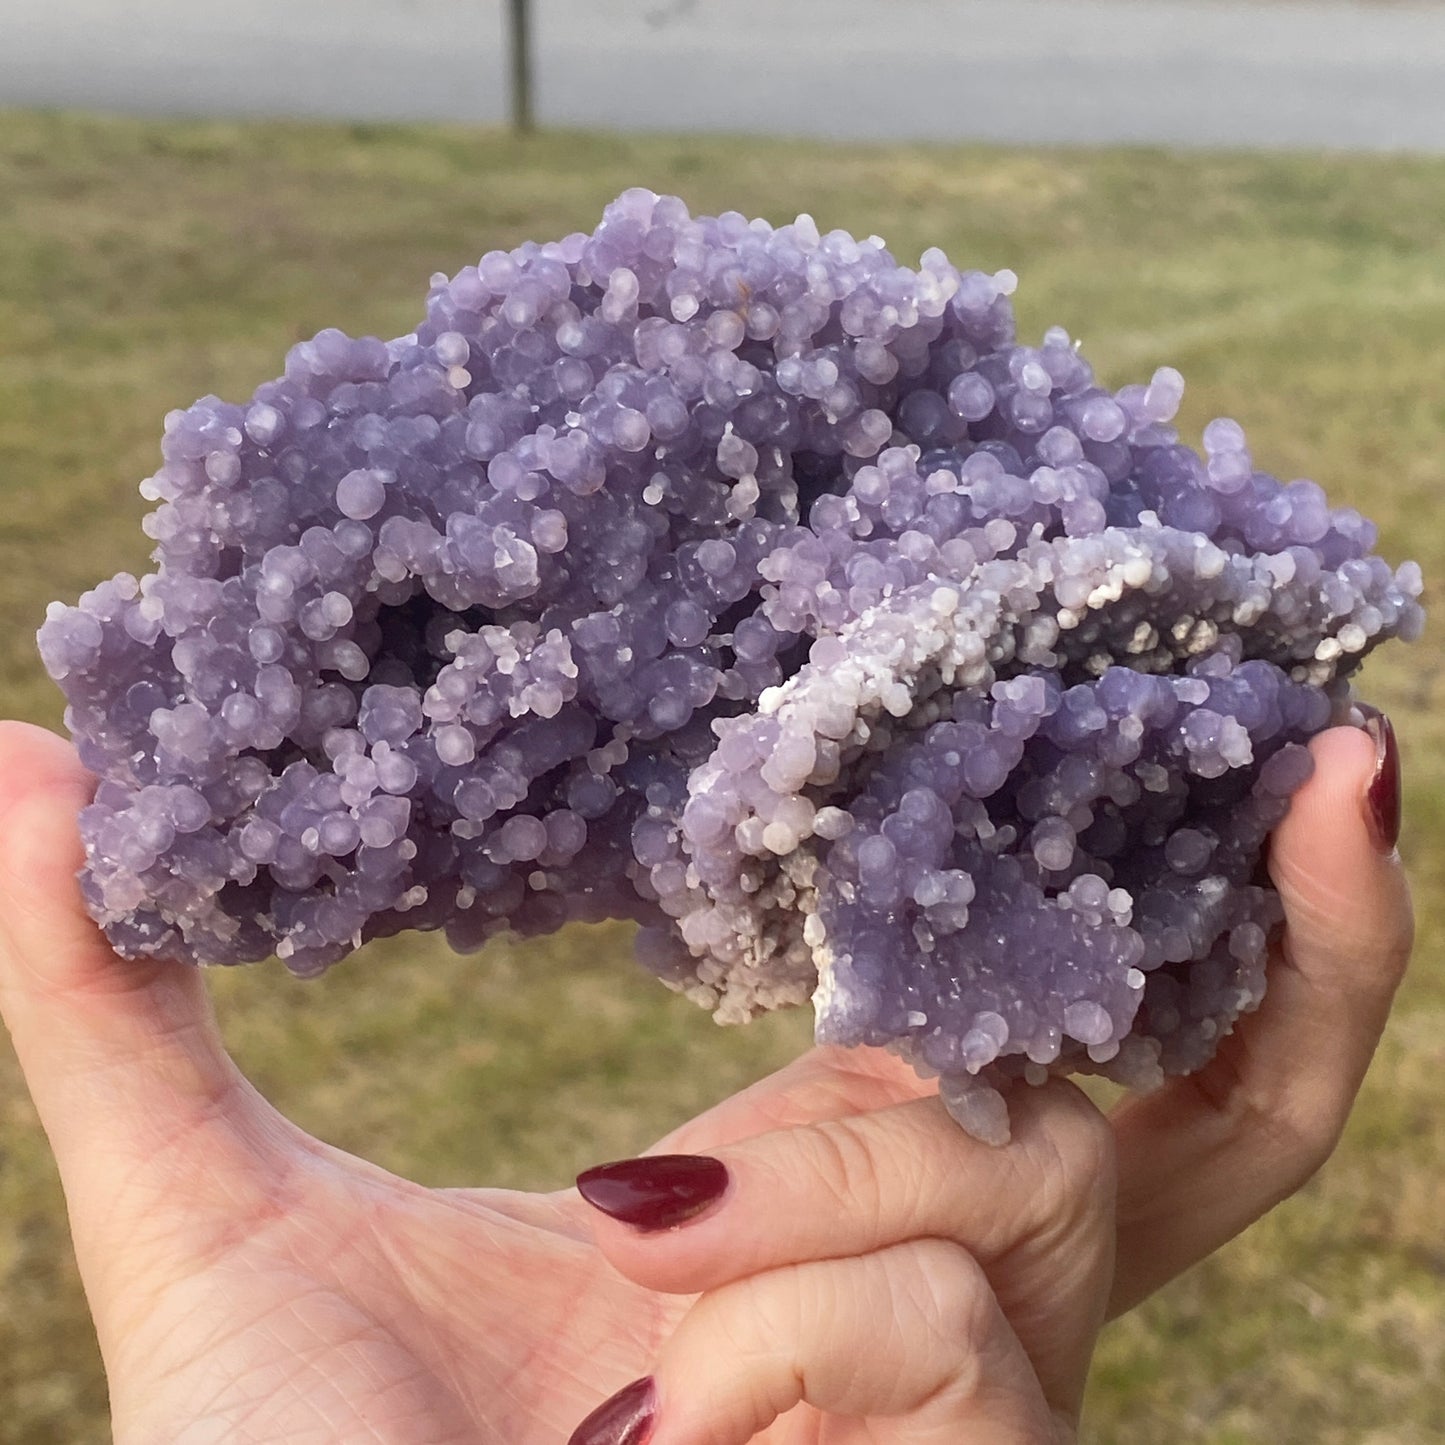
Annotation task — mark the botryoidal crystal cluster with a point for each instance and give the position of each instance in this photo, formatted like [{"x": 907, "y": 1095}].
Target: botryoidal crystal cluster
[{"x": 739, "y": 581}]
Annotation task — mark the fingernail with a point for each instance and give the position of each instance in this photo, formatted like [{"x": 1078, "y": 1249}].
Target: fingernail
[
  {"x": 1382, "y": 799},
  {"x": 657, "y": 1192},
  {"x": 625, "y": 1419}
]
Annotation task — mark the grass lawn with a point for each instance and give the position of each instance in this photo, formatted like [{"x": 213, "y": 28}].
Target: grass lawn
[{"x": 142, "y": 265}]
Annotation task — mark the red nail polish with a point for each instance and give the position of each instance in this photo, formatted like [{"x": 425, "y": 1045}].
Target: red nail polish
[
  {"x": 1383, "y": 796},
  {"x": 625, "y": 1419},
  {"x": 657, "y": 1192}
]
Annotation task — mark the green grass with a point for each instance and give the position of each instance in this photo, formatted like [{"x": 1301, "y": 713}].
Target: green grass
[{"x": 142, "y": 265}]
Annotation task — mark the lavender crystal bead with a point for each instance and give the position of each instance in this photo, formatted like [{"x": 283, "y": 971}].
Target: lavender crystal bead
[{"x": 739, "y": 581}]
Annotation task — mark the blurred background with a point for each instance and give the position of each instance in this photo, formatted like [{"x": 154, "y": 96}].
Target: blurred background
[{"x": 1250, "y": 190}]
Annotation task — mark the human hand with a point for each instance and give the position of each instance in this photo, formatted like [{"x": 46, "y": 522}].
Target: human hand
[
  {"x": 850, "y": 1179},
  {"x": 249, "y": 1283}
]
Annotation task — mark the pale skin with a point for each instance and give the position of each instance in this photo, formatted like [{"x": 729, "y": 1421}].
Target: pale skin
[{"x": 870, "y": 1275}]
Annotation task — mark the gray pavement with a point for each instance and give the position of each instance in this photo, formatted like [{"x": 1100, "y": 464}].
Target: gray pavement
[{"x": 1208, "y": 73}]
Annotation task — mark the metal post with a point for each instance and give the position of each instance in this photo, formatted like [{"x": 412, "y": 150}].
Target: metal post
[{"x": 521, "y": 37}]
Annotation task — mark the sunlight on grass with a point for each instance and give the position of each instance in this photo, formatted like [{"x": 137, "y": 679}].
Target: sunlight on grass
[{"x": 145, "y": 264}]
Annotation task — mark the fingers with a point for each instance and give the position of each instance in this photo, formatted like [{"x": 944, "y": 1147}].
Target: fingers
[
  {"x": 910, "y": 1338},
  {"x": 1210, "y": 1153},
  {"x": 122, "y": 1058},
  {"x": 1037, "y": 1214},
  {"x": 1349, "y": 930}
]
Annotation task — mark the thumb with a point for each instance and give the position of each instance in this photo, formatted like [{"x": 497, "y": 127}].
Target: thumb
[{"x": 123, "y": 1059}]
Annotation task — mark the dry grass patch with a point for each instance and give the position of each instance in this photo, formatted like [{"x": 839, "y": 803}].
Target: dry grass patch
[{"x": 144, "y": 264}]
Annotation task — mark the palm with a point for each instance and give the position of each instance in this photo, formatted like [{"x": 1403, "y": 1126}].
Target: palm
[
  {"x": 308, "y": 1295},
  {"x": 302, "y": 1293}
]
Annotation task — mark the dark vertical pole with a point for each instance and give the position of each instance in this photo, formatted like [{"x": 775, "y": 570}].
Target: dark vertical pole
[{"x": 521, "y": 65}]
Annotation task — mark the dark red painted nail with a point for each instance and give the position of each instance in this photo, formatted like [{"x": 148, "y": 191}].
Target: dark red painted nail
[
  {"x": 1383, "y": 797},
  {"x": 625, "y": 1419},
  {"x": 656, "y": 1192}
]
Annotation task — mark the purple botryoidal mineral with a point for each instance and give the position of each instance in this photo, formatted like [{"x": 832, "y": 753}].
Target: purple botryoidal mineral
[{"x": 742, "y": 582}]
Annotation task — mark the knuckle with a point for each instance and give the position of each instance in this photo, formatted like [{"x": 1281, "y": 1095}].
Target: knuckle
[
  {"x": 1085, "y": 1143},
  {"x": 959, "y": 1308},
  {"x": 1331, "y": 947},
  {"x": 1302, "y": 1128},
  {"x": 755, "y": 1315},
  {"x": 958, "y": 1287},
  {"x": 843, "y": 1163},
  {"x": 1076, "y": 1165},
  {"x": 1299, "y": 1125}
]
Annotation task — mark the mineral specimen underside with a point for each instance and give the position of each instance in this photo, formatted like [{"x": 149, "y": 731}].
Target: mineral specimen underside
[{"x": 742, "y": 582}]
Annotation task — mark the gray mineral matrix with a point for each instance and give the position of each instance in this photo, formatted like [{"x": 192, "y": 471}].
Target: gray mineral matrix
[{"x": 740, "y": 581}]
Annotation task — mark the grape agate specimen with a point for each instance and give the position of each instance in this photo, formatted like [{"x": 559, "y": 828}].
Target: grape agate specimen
[{"x": 744, "y": 583}]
